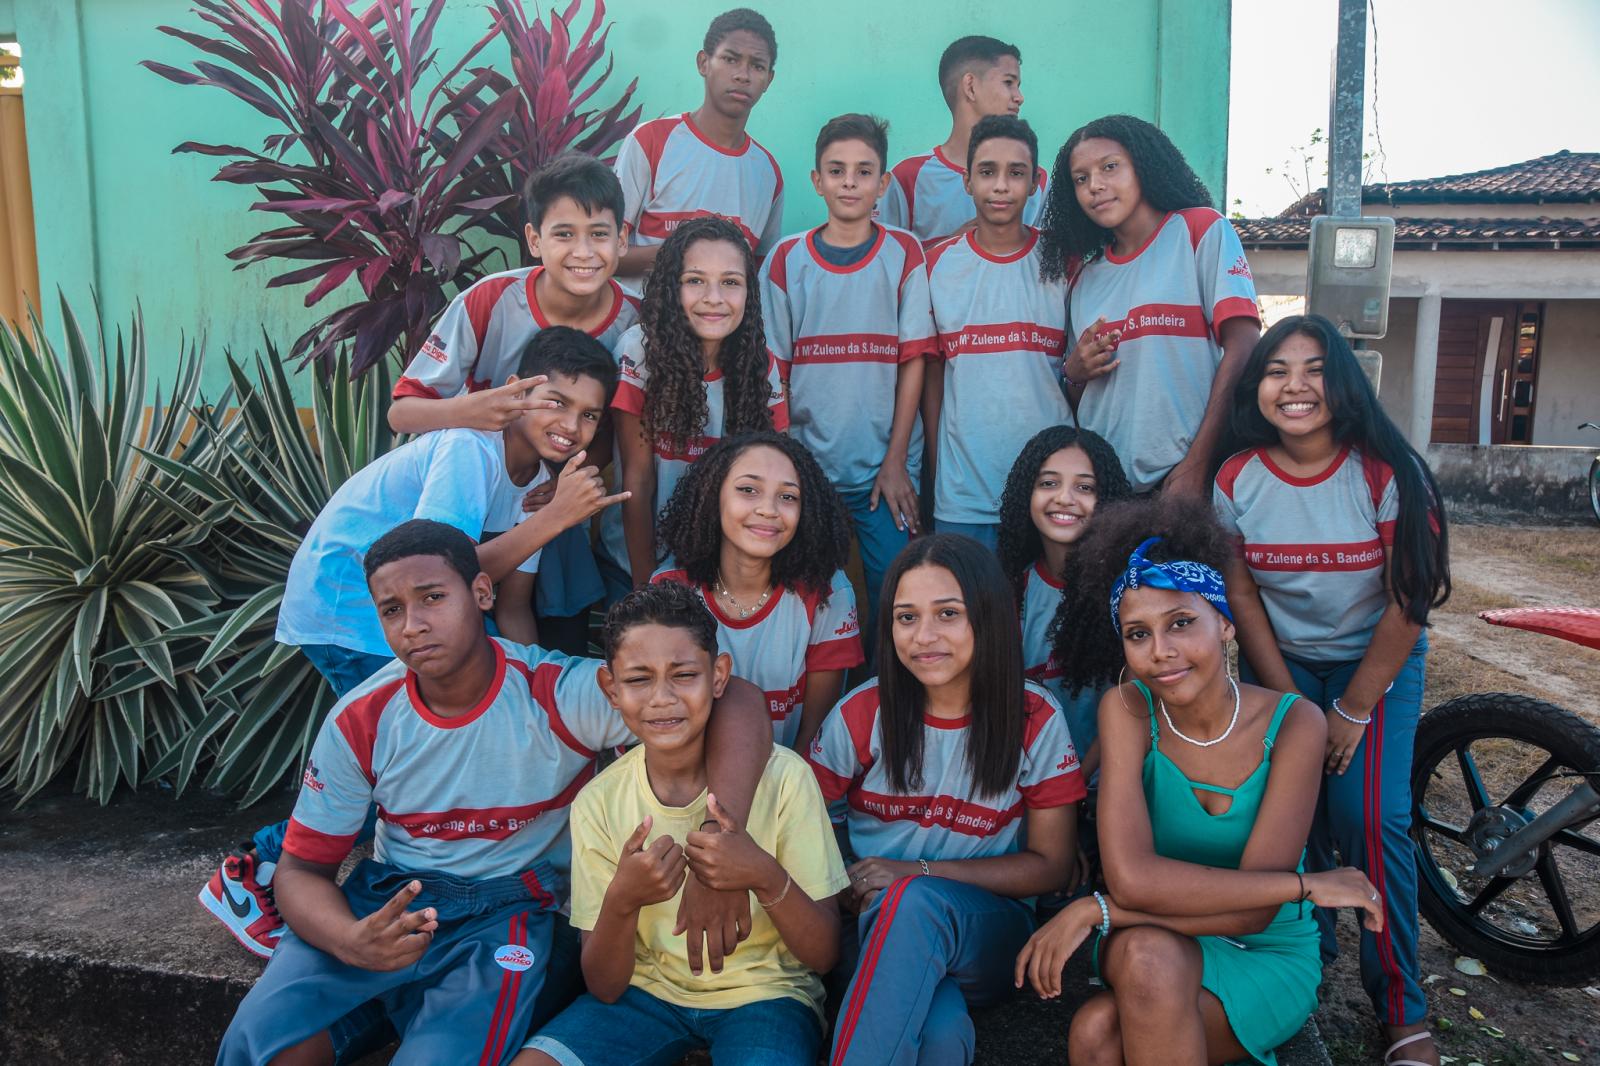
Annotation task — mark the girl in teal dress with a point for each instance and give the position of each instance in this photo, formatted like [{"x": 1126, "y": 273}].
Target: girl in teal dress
[{"x": 1205, "y": 941}]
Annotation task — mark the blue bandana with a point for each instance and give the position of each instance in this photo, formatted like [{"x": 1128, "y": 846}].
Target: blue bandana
[{"x": 1179, "y": 576}]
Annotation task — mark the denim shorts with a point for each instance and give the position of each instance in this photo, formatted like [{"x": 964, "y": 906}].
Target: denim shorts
[{"x": 641, "y": 1030}]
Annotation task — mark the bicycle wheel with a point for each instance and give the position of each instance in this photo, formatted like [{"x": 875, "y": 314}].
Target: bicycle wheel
[{"x": 1485, "y": 765}]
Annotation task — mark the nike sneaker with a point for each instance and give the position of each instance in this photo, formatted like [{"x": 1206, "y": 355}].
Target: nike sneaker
[{"x": 239, "y": 894}]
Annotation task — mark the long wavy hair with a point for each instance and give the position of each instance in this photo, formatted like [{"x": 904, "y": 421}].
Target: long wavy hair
[
  {"x": 1020, "y": 542},
  {"x": 1419, "y": 562},
  {"x": 675, "y": 408},
  {"x": 994, "y": 739},
  {"x": 1068, "y": 239},
  {"x": 689, "y": 528}
]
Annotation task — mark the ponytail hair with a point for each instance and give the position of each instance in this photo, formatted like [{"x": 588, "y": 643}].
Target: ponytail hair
[{"x": 1419, "y": 559}]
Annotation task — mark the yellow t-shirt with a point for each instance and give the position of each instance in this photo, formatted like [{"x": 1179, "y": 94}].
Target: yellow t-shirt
[{"x": 787, "y": 819}]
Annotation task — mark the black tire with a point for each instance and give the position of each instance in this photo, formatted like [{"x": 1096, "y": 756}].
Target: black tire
[
  {"x": 1572, "y": 955},
  {"x": 1594, "y": 488}
]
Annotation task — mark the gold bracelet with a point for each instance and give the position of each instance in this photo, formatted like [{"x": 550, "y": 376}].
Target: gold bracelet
[{"x": 788, "y": 879}]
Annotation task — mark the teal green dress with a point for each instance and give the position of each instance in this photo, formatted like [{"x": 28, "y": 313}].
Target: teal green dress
[{"x": 1267, "y": 981}]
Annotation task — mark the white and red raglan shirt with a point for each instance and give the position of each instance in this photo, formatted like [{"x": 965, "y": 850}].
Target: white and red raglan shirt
[
  {"x": 1170, "y": 299},
  {"x": 1002, "y": 335},
  {"x": 478, "y": 341},
  {"x": 843, "y": 333},
  {"x": 946, "y": 819},
  {"x": 927, "y": 196},
  {"x": 1315, "y": 547},
  {"x": 1041, "y": 595},
  {"x": 671, "y": 172},
  {"x": 672, "y": 459},
  {"x": 484, "y": 794},
  {"x": 792, "y": 634}
]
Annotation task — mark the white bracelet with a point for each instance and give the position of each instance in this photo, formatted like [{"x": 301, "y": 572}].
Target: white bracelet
[
  {"x": 1105, "y": 915},
  {"x": 1340, "y": 711},
  {"x": 925, "y": 871},
  {"x": 788, "y": 880}
]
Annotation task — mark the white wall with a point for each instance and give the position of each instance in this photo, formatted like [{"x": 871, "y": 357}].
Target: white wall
[{"x": 1569, "y": 374}]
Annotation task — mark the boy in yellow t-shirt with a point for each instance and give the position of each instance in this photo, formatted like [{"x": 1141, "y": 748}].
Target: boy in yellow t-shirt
[{"x": 645, "y": 1003}]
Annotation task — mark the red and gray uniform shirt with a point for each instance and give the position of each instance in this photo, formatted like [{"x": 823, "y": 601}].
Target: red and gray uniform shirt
[
  {"x": 484, "y": 794},
  {"x": 927, "y": 196},
  {"x": 1002, "y": 333},
  {"x": 672, "y": 459},
  {"x": 1315, "y": 547},
  {"x": 843, "y": 333},
  {"x": 1170, "y": 299},
  {"x": 478, "y": 341},
  {"x": 671, "y": 172},
  {"x": 791, "y": 635},
  {"x": 946, "y": 819},
  {"x": 1041, "y": 595}
]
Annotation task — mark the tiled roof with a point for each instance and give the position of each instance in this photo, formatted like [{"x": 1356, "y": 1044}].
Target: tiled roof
[
  {"x": 1562, "y": 178},
  {"x": 1284, "y": 232}
]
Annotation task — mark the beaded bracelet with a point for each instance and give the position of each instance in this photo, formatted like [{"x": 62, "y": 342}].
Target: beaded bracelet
[
  {"x": 1105, "y": 915},
  {"x": 1340, "y": 711},
  {"x": 925, "y": 871}
]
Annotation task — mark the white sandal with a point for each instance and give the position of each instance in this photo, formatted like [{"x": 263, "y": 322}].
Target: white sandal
[{"x": 1402, "y": 1042}]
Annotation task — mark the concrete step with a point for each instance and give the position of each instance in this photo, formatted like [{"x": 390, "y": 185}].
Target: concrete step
[{"x": 106, "y": 957}]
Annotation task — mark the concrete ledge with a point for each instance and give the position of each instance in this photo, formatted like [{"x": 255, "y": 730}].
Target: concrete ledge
[
  {"x": 106, "y": 957},
  {"x": 1529, "y": 479}
]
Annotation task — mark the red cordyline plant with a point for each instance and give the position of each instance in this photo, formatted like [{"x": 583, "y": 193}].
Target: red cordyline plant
[
  {"x": 548, "y": 74},
  {"x": 371, "y": 182}
]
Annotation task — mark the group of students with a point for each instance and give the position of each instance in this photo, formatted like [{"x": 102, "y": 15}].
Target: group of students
[{"x": 1043, "y": 719}]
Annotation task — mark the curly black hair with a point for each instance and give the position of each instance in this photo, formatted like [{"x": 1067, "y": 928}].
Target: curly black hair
[
  {"x": 1088, "y": 649},
  {"x": 690, "y": 531},
  {"x": 1020, "y": 543},
  {"x": 666, "y": 604},
  {"x": 1166, "y": 182},
  {"x": 675, "y": 407}
]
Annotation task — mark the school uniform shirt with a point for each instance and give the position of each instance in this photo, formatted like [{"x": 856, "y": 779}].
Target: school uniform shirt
[
  {"x": 478, "y": 341},
  {"x": 1170, "y": 299},
  {"x": 1315, "y": 547},
  {"x": 1002, "y": 337},
  {"x": 843, "y": 333},
  {"x": 928, "y": 196},
  {"x": 787, "y": 820},
  {"x": 791, "y": 635},
  {"x": 1041, "y": 595},
  {"x": 670, "y": 172},
  {"x": 484, "y": 794},
  {"x": 946, "y": 819},
  {"x": 454, "y": 476},
  {"x": 672, "y": 458}
]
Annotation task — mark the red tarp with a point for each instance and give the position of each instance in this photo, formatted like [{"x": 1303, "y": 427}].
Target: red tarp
[{"x": 1581, "y": 625}]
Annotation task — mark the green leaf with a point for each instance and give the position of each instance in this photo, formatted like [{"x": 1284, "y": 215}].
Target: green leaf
[
  {"x": 241, "y": 619},
  {"x": 86, "y": 634}
]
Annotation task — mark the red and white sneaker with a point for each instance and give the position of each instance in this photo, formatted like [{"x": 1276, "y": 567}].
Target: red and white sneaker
[{"x": 240, "y": 895}]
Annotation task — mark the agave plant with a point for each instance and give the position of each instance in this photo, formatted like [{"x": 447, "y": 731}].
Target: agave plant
[
  {"x": 369, "y": 184},
  {"x": 254, "y": 461},
  {"x": 555, "y": 111},
  {"x": 92, "y": 568}
]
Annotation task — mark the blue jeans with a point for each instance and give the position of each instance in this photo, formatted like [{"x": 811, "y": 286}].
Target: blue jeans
[
  {"x": 880, "y": 542},
  {"x": 985, "y": 533},
  {"x": 1363, "y": 819},
  {"x": 641, "y": 1030}
]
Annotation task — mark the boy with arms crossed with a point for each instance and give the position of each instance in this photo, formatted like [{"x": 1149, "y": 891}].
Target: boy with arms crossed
[
  {"x": 702, "y": 162},
  {"x": 978, "y": 76},
  {"x": 473, "y": 749},
  {"x": 1002, "y": 332},
  {"x": 846, "y": 307},
  {"x": 662, "y": 672}
]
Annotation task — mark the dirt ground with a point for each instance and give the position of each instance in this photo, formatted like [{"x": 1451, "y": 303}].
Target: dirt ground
[{"x": 1494, "y": 565}]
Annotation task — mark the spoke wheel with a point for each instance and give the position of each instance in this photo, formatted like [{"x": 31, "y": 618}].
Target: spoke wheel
[{"x": 1484, "y": 766}]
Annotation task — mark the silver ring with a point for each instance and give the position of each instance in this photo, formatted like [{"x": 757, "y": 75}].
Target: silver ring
[{"x": 1374, "y": 897}]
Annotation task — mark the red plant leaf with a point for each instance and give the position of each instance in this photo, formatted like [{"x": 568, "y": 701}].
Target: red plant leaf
[{"x": 336, "y": 276}]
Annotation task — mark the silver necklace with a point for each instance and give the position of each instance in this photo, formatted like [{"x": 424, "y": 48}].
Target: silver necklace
[
  {"x": 1214, "y": 740},
  {"x": 743, "y": 612}
]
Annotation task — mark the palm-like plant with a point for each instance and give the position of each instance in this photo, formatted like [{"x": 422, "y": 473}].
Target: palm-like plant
[
  {"x": 94, "y": 542},
  {"x": 255, "y": 460}
]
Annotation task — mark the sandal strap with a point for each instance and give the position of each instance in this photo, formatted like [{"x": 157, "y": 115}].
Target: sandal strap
[{"x": 1402, "y": 1042}]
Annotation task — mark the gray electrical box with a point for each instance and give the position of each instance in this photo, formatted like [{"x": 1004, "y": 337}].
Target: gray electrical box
[{"x": 1347, "y": 277}]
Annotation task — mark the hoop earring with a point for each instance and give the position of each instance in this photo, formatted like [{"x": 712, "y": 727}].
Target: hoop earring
[{"x": 1120, "y": 697}]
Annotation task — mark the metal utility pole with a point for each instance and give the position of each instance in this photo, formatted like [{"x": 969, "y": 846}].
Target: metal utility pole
[{"x": 1347, "y": 104}]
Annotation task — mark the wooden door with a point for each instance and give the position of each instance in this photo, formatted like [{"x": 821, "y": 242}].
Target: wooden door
[
  {"x": 1517, "y": 376},
  {"x": 1467, "y": 330}
]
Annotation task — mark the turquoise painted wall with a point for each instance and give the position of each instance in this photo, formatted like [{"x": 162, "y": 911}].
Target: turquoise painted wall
[{"x": 118, "y": 214}]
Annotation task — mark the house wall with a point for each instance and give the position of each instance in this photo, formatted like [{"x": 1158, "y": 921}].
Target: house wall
[
  {"x": 1569, "y": 374},
  {"x": 119, "y": 214}
]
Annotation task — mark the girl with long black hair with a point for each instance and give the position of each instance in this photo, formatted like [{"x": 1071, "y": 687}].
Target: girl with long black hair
[
  {"x": 1344, "y": 551},
  {"x": 959, "y": 784}
]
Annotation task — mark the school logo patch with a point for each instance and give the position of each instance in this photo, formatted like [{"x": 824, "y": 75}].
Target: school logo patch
[
  {"x": 514, "y": 957},
  {"x": 1240, "y": 268},
  {"x": 433, "y": 348}
]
